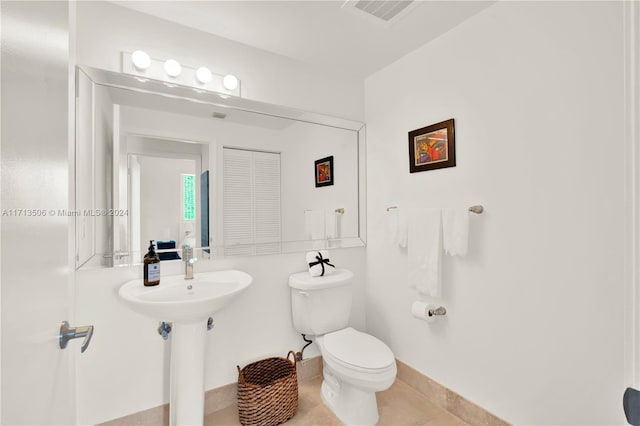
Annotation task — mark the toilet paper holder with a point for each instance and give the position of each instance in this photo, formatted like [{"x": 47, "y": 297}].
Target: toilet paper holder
[{"x": 438, "y": 311}]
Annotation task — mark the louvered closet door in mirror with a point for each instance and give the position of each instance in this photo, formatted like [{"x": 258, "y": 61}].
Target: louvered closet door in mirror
[{"x": 251, "y": 202}]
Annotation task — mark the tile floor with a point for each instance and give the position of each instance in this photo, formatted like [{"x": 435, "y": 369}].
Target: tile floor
[{"x": 400, "y": 405}]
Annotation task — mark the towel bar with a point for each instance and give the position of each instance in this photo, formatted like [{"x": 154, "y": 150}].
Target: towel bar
[
  {"x": 438, "y": 311},
  {"x": 477, "y": 209},
  {"x": 339, "y": 210}
]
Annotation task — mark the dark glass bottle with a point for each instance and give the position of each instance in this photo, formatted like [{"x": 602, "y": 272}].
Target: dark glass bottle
[{"x": 151, "y": 266}]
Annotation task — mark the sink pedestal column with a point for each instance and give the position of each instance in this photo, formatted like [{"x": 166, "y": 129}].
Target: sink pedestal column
[{"x": 187, "y": 373}]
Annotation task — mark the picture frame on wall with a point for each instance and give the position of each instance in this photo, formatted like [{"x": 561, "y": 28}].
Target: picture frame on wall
[
  {"x": 324, "y": 171},
  {"x": 432, "y": 147}
]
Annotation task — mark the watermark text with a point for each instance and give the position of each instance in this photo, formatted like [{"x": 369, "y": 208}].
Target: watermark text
[{"x": 63, "y": 212}]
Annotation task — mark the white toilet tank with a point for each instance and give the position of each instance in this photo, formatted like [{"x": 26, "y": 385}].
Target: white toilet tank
[{"x": 321, "y": 305}]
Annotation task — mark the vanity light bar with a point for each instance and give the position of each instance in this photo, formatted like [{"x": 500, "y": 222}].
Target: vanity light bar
[{"x": 140, "y": 64}]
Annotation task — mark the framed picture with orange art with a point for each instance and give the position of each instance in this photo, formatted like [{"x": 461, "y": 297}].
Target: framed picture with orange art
[
  {"x": 324, "y": 171},
  {"x": 432, "y": 147}
]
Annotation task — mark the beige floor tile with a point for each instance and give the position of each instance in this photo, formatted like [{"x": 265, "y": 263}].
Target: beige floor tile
[
  {"x": 446, "y": 419},
  {"x": 227, "y": 417},
  {"x": 311, "y": 409},
  {"x": 400, "y": 405}
]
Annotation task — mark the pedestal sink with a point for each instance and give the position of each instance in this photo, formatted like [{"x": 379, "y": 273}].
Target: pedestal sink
[{"x": 187, "y": 304}]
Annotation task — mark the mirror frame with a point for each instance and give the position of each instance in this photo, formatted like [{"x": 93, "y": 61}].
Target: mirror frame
[{"x": 155, "y": 87}]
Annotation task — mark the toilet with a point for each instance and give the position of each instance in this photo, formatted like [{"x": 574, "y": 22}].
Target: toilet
[{"x": 356, "y": 365}]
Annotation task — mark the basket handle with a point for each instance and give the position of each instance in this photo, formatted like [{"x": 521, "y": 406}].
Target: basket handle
[
  {"x": 294, "y": 357},
  {"x": 240, "y": 375}
]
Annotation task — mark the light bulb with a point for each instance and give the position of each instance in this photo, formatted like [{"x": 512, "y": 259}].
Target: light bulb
[
  {"x": 172, "y": 67},
  {"x": 230, "y": 82},
  {"x": 141, "y": 60},
  {"x": 203, "y": 74}
]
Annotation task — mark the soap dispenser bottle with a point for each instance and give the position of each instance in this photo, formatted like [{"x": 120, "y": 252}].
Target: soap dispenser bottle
[{"x": 151, "y": 266}]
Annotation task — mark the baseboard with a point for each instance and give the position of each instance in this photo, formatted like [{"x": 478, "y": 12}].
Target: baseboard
[
  {"x": 214, "y": 399},
  {"x": 224, "y": 396},
  {"x": 308, "y": 368},
  {"x": 153, "y": 416},
  {"x": 446, "y": 398}
]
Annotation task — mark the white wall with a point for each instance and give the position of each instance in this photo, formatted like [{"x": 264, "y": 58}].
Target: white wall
[
  {"x": 125, "y": 370},
  {"x": 534, "y": 329},
  {"x": 265, "y": 76}
]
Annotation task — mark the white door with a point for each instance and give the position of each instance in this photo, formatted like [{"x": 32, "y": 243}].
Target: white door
[{"x": 37, "y": 376}]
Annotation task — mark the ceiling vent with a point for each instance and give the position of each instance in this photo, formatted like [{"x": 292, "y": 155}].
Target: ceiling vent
[{"x": 384, "y": 12}]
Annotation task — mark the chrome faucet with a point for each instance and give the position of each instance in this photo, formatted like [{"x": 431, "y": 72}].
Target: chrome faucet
[{"x": 189, "y": 260}]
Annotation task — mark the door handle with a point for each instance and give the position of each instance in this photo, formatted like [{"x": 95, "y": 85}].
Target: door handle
[{"x": 67, "y": 333}]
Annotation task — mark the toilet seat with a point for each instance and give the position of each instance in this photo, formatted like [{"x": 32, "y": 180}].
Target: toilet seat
[{"x": 359, "y": 351}]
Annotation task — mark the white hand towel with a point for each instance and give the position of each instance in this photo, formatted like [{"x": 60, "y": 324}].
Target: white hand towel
[
  {"x": 319, "y": 269},
  {"x": 403, "y": 229},
  {"x": 331, "y": 224},
  {"x": 338, "y": 217},
  {"x": 314, "y": 224},
  {"x": 392, "y": 226},
  {"x": 425, "y": 251},
  {"x": 397, "y": 227},
  {"x": 455, "y": 231}
]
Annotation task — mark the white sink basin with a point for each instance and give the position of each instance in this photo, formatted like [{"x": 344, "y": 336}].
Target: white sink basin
[
  {"x": 187, "y": 304},
  {"x": 172, "y": 301}
]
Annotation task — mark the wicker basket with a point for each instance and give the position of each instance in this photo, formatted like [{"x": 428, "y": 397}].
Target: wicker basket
[{"x": 268, "y": 391}]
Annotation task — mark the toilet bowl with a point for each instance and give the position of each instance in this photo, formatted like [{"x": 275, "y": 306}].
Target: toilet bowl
[{"x": 356, "y": 365}]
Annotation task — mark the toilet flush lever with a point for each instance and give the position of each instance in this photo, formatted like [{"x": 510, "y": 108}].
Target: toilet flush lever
[{"x": 67, "y": 333}]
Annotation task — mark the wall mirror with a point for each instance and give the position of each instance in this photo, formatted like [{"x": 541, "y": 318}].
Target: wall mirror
[{"x": 226, "y": 175}]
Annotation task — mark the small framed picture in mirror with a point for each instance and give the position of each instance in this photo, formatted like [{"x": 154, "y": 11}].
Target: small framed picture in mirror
[
  {"x": 432, "y": 147},
  {"x": 324, "y": 171}
]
